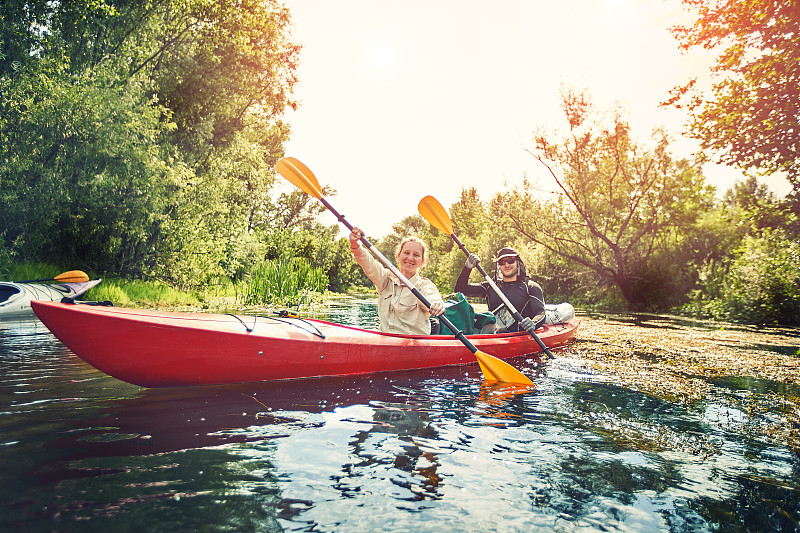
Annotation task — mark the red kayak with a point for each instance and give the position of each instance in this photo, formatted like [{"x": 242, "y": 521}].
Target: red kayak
[{"x": 164, "y": 349}]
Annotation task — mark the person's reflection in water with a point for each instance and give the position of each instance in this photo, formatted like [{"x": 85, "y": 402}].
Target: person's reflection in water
[{"x": 407, "y": 424}]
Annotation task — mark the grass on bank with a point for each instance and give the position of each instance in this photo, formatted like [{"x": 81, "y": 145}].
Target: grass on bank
[
  {"x": 145, "y": 293},
  {"x": 284, "y": 282}
]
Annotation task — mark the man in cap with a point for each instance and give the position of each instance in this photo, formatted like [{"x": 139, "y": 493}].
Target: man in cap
[{"x": 523, "y": 293}]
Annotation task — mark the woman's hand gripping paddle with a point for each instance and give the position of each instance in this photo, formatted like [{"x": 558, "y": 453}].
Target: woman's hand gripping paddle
[
  {"x": 493, "y": 369},
  {"x": 437, "y": 215}
]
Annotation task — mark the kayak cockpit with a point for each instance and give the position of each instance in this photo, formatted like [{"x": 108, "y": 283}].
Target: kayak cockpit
[{"x": 8, "y": 292}]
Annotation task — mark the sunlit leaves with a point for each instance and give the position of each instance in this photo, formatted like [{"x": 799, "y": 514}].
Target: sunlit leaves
[
  {"x": 763, "y": 285},
  {"x": 749, "y": 118}
]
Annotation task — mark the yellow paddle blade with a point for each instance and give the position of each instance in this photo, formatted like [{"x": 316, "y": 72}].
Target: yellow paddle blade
[
  {"x": 498, "y": 394},
  {"x": 487, "y": 374},
  {"x": 433, "y": 211},
  {"x": 73, "y": 276},
  {"x": 300, "y": 176},
  {"x": 495, "y": 369}
]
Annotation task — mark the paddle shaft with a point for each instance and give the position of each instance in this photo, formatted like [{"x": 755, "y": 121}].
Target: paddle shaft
[
  {"x": 516, "y": 314},
  {"x": 377, "y": 253}
]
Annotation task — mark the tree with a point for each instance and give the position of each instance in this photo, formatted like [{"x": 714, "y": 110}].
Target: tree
[
  {"x": 141, "y": 136},
  {"x": 78, "y": 186},
  {"x": 758, "y": 204},
  {"x": 296, "y": 209},
  {"x": 744, "y": 260},
  {"x": 618, "y": 204},
  {"x": 468, "y": 217},
  {"x": 750, "y": 116}
]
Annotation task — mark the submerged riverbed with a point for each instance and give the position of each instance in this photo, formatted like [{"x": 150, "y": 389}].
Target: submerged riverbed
[{"x": 646, "y": 423}]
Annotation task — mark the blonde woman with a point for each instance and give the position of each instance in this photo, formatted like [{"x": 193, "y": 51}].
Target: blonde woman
[{"x": 399, "y": 310}]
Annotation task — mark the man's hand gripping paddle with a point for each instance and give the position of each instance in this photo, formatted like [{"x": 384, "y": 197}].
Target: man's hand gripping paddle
[{"x": 437, "y": 215}]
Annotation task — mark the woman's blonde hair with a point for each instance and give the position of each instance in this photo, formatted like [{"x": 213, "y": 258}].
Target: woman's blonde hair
[{"x": 413, "y": 238}]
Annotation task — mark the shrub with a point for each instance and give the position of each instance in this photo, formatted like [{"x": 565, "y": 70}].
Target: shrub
[
  {"x": 761, "y": 286},
  {"x": 287, "y": 281}
]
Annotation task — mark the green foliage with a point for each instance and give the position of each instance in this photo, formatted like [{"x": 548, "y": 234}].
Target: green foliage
[
  {"x": 750, "y": 116},
  {"x": 108, "y": 292},
  {"x": 89, "y": 189},
  {"x": 320, "y": 247},
  {"x": 473, "y": 224},
  {"x": 762, "y": 285},
  {"x": 342, "y": 271},
  {"x": 137, "y": 293},
  {"x": 754, "y": 207},
  {"x": 20, "y": 271},
  {"x": 287, "y": 281},
  {"x": 140, "y": 138},
  {"x": 6, "y": 259},
  {"x": 750, "y": 224}
]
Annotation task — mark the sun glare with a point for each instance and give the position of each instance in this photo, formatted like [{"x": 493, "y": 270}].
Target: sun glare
[{"x": 380, "y": 55}]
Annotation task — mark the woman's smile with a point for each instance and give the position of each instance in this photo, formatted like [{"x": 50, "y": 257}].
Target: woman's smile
[{"x": 411, "y": 258}]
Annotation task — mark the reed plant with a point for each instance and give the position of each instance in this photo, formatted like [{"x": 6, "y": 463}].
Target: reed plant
[{"x": 288, "y": 281}]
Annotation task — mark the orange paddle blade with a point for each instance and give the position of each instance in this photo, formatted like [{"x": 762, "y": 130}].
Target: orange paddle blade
[
  {"x": 495, "y": 369},
  {"x": 300, "y": 176},
  {"x": 72, "y": 276},
  {"x": 432, "y": 210}
]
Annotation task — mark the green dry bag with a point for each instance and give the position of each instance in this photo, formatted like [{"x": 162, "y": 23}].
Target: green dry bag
[{"x": 459, "y": 311}]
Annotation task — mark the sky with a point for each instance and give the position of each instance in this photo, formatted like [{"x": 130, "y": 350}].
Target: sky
[{"x": 407, "y": 98}]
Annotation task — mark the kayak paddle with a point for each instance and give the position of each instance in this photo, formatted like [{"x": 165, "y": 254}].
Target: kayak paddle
[
  {"x": 493, "y": 369},
  {"x": 72, "y": 276},
  {"x": 437, "y": 215}
]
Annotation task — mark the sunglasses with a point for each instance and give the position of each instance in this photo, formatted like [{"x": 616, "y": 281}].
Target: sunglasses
[{"x": 507, "y": 261}]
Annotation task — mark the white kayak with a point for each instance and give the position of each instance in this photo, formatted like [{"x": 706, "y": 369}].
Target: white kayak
[
  {"x": 15, "y": 298},
  {"x": 558, "y": 313}
]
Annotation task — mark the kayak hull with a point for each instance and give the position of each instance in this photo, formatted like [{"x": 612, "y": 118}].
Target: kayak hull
[
  {"x": 167, "y": 349},
  {"x": 16, "y": 298}
]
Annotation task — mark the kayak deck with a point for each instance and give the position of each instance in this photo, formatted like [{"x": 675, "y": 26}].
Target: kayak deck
[{"x": 16, "y": 297}]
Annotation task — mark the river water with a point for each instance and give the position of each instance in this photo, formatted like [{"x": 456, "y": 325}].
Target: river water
[{"x": 437, "y": 450}]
